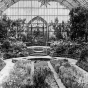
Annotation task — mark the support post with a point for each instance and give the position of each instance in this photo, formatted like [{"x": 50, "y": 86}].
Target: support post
[{"x": 47, "y": 35}]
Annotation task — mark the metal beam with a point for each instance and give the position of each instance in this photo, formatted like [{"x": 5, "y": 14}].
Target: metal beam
[
  {"x": 63, "y": 4},
  {"x": 79, "y": 4},
  {"x": 39, "y": 15},
  {"x": 86, "y": 3},
  {"x": 15, "y": 1},
  {"x": 34, "y": 8},
  {"x": 69, "y": 3}
]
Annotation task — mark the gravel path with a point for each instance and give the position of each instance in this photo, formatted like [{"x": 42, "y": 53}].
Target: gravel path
[{"x": 5, "y": 71}]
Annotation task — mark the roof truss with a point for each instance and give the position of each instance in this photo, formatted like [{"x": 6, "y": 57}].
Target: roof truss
[{"x": 69, "y": 4}]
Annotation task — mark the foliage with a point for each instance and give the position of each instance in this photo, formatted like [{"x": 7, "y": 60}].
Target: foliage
[
  {"x": 44, "y": 2},
  {"x": 24, "y": 38},
  {"x": 18, "y": 44},
  {"x": 57, "y": 29},
  {"x": 42, "y": 71},
  {"x": 83, "y": 61},
  {"x": 60, "y": 50},
  {"x": 67, "y": 49},
  {"x": 70, "y": 76},
  {"x": 8, "y": 55},
  {"x": 83, "y": 65},
  {"x": 11, "y": 28},
  {"x": 17, "y": 49},
  {"x": 6, "y": 45},
  {"x": 23, "y": 53},
  {"x": 84, "y": 55},
  {"x": 40, "y": 78},
  {"x": 74, "y": 51},
  {"x": 29, "y": 38},
  {"x": 2, "y": 64},
  {"x": 3, "y": 30},
  {"x": 52, "y": 38},
  {"x": 18, "y": 27},
  {"x": 20, "y": 76},
  {"x": 79, "y": 21},
  {"x": 58, "y": 63}
]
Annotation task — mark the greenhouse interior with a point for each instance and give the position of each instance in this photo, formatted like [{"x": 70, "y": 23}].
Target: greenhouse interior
[{"x": 43, "y": 43}]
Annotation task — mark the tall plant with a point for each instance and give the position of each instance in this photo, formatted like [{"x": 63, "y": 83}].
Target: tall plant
[
  {"x": 3, "y": 27},
  {"x": 79, "y": 20},
  {"x": 57, "y": 29}
]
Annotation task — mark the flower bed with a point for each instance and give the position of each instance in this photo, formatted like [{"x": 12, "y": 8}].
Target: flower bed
[
  {"x": 67, "y": 49},
  {"x": 83, "y": 61},
  {"x": 43, "y": 76},
  {"x": 2, "y": 64},
  {"x": 16, "y": 49},
  {"x": 57, "y": 63},
  {"x": 71, "y": 76},
  {"x": 83, "y": 65},
  {"x": 20, "y": 76}
]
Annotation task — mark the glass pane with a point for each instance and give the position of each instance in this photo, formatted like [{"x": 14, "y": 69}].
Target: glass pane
[
  {"x": 63, "y": 12},
  {"x": 22, "y": 4},
  {"x": 82, "y": 2},
  {"x": 24, "y": 9}
]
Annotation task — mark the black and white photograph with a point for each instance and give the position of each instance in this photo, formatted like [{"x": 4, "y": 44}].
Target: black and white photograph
[{"x": 43, "y": 43}]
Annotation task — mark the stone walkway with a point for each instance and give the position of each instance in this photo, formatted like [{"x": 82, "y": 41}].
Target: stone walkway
[
  {"x": 5, "y": 71},
  {"x": 58, "y": 80},
  {"x": 32, "y": 70}
]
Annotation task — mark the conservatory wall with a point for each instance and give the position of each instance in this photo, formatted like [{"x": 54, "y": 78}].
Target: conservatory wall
[{"x": 30, "y": 9}]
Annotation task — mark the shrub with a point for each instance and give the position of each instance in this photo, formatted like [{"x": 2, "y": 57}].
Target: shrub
[
  {"x": 58, "y": 63},
  {"x": 67, "y": 49},
  {"x": 29, "y": 44},
  {"x": 83, "y": 61},
  {"x": 20, "y": 76},
  {"x": 6, "y": 45},
  {"x": 40, "y": 77},
  {"x": 84, "y": 55},
  {"x": 60, "y": 50},
  {"x": 71, "y": 77},
  {"x": 2, "y": 64},
  {"x": 23, "y": 54},
  {"x": 83, "y": 65},
  {"x": 8, "y": 55},
  {"x": 17, "y": 48},
  {"x": 18, "y": 44}
]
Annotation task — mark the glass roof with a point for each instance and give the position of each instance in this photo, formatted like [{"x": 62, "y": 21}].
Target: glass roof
[
  {"x": 4, "y": 4},
  {"x": 31, "y": 8}
]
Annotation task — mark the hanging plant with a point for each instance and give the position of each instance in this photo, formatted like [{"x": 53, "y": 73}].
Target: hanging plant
[{"x": 44, "y": 2}]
